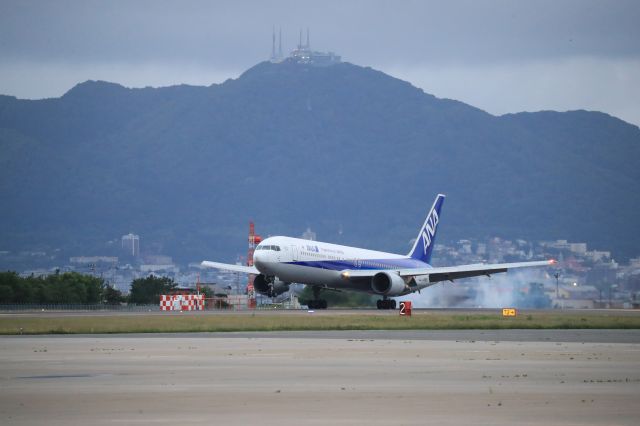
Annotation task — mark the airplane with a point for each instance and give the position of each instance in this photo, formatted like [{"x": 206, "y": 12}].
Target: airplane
[{"x": 280, "y": 261}]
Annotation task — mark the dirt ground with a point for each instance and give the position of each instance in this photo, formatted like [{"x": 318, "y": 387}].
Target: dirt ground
[{"x": 290, "y": 381}]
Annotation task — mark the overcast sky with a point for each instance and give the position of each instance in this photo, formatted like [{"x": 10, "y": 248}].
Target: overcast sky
[{"x": 501, "y": 56}]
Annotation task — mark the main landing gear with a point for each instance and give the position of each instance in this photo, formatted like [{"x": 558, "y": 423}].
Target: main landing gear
[
  {"x": 386, "y": 304},
  {"x": 317, "y": 303}
]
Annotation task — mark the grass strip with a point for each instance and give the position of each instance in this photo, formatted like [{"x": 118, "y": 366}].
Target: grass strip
[{"x": 172, "y": 323}]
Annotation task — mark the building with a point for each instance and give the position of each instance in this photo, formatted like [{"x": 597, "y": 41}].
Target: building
[
  {"x": 303, "y": 54},
  {"x": 309, "y": 235},
  {"x": 159, "y": 268},
  {"x": 131, "y": 244},
  {"x": 82, "y": 260}
]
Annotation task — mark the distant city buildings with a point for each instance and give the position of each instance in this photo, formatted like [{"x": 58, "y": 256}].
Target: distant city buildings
[
  {"x": 585, "y": 278},
  {"x": 582, "y": 278},
  {"x": 84, "y": 260},
  {"x": 158, "y": 264}
]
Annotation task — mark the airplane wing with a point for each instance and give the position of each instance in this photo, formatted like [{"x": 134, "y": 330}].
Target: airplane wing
[
  {"x": 229, "y": 267},
  {"x": 448, "y": 273}
]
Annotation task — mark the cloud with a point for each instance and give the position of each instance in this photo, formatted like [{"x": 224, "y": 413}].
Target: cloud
[
  {"x": 499, "y": 55},
  {"x": 366, "y": 31},
  {"x": 610, "y": 85},
  {"x": 36, "y": 81}
]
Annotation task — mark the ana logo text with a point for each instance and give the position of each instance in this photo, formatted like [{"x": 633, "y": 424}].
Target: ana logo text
[{"x": 429, "y": 230}]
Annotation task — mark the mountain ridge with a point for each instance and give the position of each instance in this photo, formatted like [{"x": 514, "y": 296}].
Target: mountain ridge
[{"x": 338, "y": 148}]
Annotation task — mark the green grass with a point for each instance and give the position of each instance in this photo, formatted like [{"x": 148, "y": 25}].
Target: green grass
[{"x": 172, "y": 323}]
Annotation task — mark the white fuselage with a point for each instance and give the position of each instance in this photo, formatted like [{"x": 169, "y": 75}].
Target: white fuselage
[{"x": 295, "y": 260}]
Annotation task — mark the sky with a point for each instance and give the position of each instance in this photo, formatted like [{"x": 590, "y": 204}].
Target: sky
[{"x": 500, "y": 56}]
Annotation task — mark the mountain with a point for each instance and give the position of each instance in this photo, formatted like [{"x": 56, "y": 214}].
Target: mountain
[{"x": 353, "y": 153}]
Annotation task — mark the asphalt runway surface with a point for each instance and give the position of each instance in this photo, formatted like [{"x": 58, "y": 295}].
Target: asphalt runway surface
[
  {"x": 506, "y": 335},
  {"x": 506, "y": 377}
]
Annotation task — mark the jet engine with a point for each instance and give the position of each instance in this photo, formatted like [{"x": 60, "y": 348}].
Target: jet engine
[
  {"x": 269, "y": 286},
  {"x": 388, "y": 284}
]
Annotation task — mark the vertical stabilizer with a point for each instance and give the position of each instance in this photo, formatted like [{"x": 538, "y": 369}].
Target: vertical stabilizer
[{"x": 423, "y": 247}]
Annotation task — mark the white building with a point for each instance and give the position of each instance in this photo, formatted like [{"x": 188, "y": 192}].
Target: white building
[{"x": 131, "y": 244}]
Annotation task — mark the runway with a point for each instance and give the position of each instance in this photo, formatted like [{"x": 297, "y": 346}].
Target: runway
[
  {"x": 346, "y": 378},
  {"x": 506, "y": 335}
]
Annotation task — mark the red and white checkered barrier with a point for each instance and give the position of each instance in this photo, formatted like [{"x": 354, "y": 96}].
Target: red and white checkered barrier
[{"x": 181, "y": 302}]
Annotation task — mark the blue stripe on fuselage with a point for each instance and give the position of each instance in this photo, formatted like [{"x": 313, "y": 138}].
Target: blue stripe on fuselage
[{"x": 361, "y": 264}]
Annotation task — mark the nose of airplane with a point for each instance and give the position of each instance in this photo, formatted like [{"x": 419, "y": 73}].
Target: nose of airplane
[{"x": 258, "y": 259}]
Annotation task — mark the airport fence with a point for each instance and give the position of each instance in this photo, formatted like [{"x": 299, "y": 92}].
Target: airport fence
[
  {"x": 209, "y": 306},
  {"x": 228, "y": 303},
  {"x": 19, "y": 307}
]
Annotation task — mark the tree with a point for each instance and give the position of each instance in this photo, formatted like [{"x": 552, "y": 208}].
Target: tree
[
  {"x": 112, "y": 296},
  {"x": 68, "y": 288},
  {"x": 146, "y": 291},
  {"x": 208, "y": 293},
  {"x": 9, "y": 283}
]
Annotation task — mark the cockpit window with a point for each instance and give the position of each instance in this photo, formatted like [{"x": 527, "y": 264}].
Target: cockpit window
[{"x": 274, "y": 248}]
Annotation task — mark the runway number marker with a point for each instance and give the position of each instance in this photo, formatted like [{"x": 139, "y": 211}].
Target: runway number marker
[{"x": 405, "y": 309}]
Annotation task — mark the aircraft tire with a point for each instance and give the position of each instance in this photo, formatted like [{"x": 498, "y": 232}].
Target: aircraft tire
[
  {"x": 317, "y": 304},
  {"x": 386, "y": 304}
]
